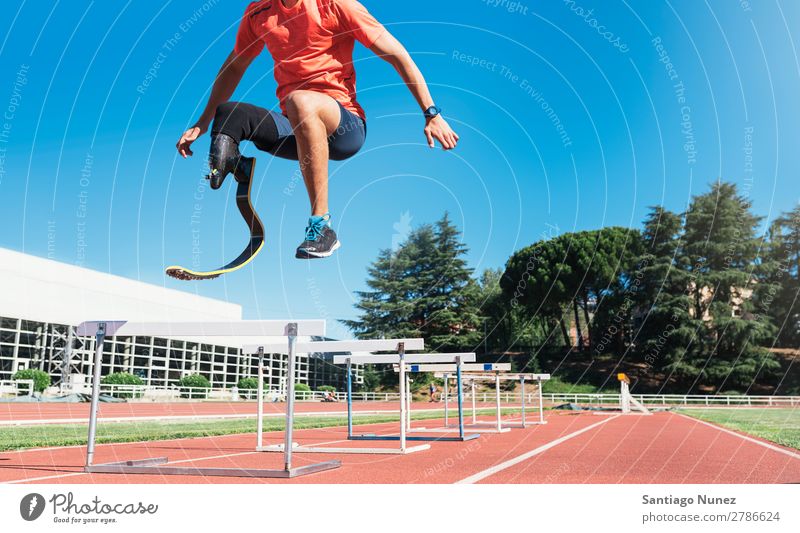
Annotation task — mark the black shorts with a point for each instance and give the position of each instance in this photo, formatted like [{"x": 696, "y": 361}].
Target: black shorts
[{"x": 271, "y": 132}]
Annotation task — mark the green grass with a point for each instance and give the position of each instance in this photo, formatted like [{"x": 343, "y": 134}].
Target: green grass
[
  {"x": 24, "y": 437},
  {"x": 555, "y": 386},
  {"x": 781, "y": 426}
]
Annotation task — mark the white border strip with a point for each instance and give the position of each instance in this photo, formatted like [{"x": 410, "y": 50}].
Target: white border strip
[
  {"x": 525, "y": 456},
  {"x": 743, "y": 437}
]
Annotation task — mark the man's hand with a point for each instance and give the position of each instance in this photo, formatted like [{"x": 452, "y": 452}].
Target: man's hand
[
  {"x": 437, "y": 128},
  {"x": 185, "y": 144}
]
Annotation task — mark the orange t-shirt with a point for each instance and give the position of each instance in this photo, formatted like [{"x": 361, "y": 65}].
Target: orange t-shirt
[{"x": 311, "y": 44}]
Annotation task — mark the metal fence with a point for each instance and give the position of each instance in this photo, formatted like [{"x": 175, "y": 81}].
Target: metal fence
[
  {"x": 677, "y": 399},
  {"x": 145, "y": 393},
  {"x": 484, "y": 397}
]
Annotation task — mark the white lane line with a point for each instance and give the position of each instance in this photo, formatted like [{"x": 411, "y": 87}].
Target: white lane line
[
  {"x": 525, "y": 456},
  {"x": 45, "y": 478},
  {"x": 744, "y": 437},
  {"x": 170, "y": 463}
]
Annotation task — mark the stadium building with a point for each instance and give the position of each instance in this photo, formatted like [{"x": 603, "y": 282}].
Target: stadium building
[{"x": 41, "y": 301}]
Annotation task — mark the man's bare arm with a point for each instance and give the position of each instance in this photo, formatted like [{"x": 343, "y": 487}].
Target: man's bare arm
[
  {"x": 228, "y": 78},
  {"x": 390, "y": 49}
]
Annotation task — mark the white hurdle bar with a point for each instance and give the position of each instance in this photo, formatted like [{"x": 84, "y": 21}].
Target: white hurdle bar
[
  {"x": 259, "y": 328},
  {"x": 398, "y": 345},
  {"x": 497, "y": 377}
]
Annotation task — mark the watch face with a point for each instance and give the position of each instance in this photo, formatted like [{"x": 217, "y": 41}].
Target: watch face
[{"x": 432, "y": 111}]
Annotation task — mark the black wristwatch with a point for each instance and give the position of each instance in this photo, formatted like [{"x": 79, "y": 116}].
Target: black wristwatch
[{"x": 432, "y": 111}]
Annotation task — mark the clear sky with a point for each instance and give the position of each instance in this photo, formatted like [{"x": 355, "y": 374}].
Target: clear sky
[{"x": 572, "y": 115}]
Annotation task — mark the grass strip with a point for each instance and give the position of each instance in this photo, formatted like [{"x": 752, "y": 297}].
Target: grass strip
[
  {"x": 39, "y": 436},
  {"x": 781, "y": 426}
]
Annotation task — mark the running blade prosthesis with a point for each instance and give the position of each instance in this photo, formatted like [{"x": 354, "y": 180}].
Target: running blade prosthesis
[{"x": 245, "y": 205}]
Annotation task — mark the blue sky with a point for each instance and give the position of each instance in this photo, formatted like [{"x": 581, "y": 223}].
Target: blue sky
[{"x": 572, "y": 115}]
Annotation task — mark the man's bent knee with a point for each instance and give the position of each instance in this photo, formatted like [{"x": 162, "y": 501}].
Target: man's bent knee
[
  {"x": 228, "y": 109},
  {"x": 303, "y": 104}
]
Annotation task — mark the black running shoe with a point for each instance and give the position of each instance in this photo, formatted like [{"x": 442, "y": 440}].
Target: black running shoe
[{"x": 320, "y": 240}]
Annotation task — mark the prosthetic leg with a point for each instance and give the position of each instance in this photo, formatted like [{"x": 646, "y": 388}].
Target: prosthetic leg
[{"x": 225, "y": 159}]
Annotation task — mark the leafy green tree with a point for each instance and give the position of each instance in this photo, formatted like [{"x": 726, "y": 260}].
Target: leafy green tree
[
  {"x": 41, "y": 379},
  {"x": 572, "y": 274},
  {"x": 534, "y": 282},
  {"x": 122, "y": 378},
  {"x": 602, "y": 265},
  {"x": 190, "y": 384},
  {"x": 503, "y": 327}
]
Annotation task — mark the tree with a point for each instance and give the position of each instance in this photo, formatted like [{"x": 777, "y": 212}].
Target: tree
[
  {"x": 534, "y": 282},
  {"x": 602, "y": 264},
  {"x": 719, "y": 253},
  {"x": 661, "y": 321},
  {"x": 424, "y": 289},
  {"x": 503, "y": 326},
  {"x": 572, "y": 274},
  {"x": 778, "y": 297}
]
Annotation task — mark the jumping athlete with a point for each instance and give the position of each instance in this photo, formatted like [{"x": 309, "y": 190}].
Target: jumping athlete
[{"x": 311, "y": 43}]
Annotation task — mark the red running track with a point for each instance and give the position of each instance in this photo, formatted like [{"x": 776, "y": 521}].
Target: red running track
[{"x": 571, "y": 448}]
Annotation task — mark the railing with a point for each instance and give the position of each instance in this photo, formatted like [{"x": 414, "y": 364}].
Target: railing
[
  {"x": 676, "y": 399},
  {"x": 16, "y": 387},
  {"x": 172, "y": 393}
]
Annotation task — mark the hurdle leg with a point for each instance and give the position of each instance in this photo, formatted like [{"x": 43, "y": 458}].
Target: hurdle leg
[
  {"x": 349, "y": 399},
  {"x": 408, "y": 403},
  {"x": 260, "y": 401},
  {"x": 402, "y": 352},
  {"x": 460, "y": 400},
  {"x": 497, "y": 399},
  {"x": 522, "y": 382},
  {"x": 541, "y": 403},
  {"x": 446, "y": 401},
  {"x": 287, "y": 450},
  {"x": 100, "y": 338},
  {"x": 474, "y": 410}
]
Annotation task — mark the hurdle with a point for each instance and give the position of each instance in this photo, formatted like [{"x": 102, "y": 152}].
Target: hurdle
[
  {"x": 404, "y": 363},
  {"x": 256, "y": 328},
  {"x": 371, "y": 345},
  {"x": 497, "y": 426},
  {"x": 626, "y": 400},
  {"x": 455, "y": 371}
]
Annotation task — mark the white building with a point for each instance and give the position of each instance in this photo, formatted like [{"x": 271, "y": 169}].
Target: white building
[{"x": 40, "y": 300}]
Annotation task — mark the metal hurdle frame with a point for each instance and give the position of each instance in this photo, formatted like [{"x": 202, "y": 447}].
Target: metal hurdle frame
[
  {"x": 454, "y": 371},
  {"x": 401, "y": 345},
  {"x": 256, "y": 328},
  {"x": 403, "y": 360},
  {"x": 497, "y": 377}
]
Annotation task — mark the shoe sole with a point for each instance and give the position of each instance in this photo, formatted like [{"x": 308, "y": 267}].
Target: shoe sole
[{"x": 318, "y": 255}]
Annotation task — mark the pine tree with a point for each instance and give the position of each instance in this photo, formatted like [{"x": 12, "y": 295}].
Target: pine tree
[
  {"x": 662, "y": 324},
  {"x": 719, "y": 252},
  {"x": 778, "y": 297},
  {"x": 423, "y": 289}
]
